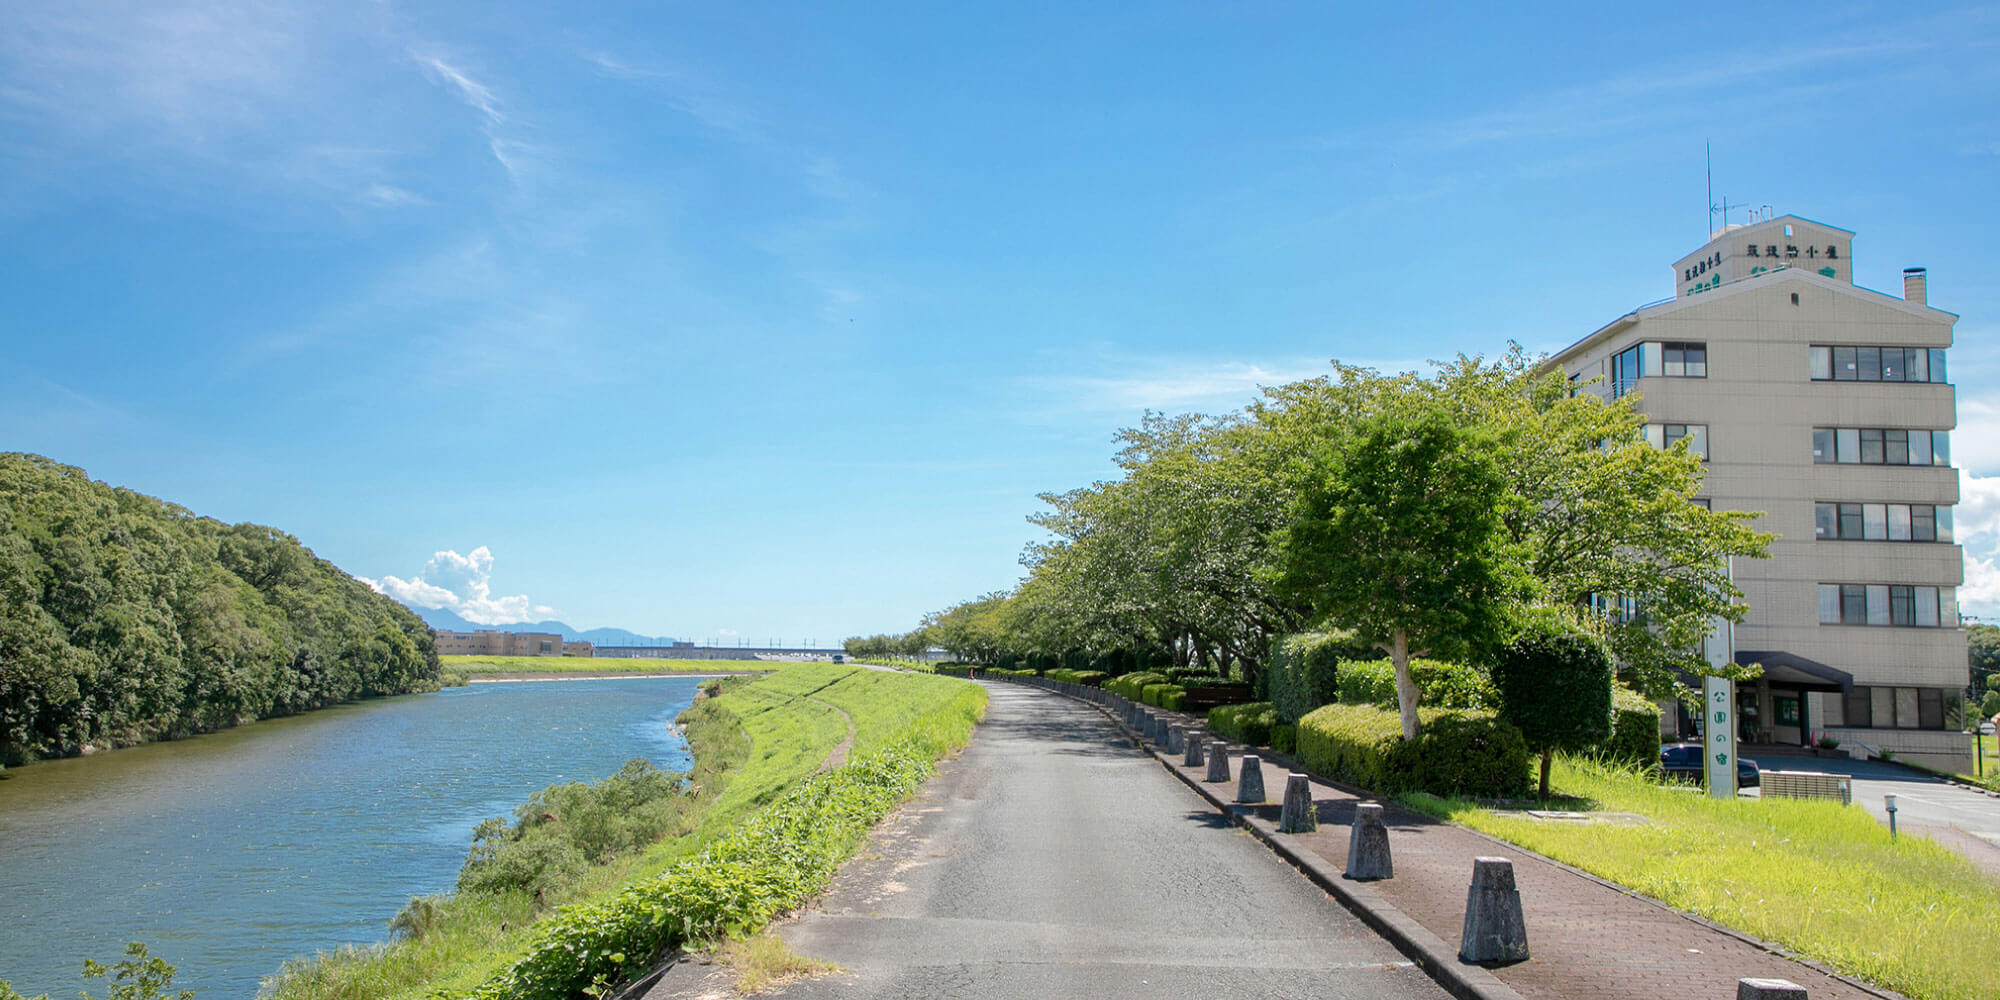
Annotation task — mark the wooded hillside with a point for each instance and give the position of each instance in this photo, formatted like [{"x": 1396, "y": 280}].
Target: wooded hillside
[{"x": 124, "y": 618}]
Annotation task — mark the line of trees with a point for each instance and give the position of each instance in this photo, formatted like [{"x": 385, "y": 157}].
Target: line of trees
[
  {"x": 124, "y": 618},
  {"x": 1423, "y": 514}
]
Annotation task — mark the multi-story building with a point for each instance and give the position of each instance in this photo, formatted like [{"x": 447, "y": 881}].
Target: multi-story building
[
  {"x": 1827, "y": 407},
  {"x": 492, "y": 642}
]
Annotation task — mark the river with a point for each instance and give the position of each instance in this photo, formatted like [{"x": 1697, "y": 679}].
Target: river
[{"x": 230, "y": 852}]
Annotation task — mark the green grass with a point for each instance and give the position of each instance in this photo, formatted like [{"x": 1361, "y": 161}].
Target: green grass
[
  {"x": 1822, "y": 879},
  {"x": 753, "y": 743},
  {"x": 488, "y": 666}
]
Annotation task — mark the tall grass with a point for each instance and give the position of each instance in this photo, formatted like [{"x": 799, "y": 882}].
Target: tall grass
[{"x": 1822, "y": 879}]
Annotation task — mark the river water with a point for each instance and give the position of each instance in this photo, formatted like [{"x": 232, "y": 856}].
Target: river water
[{"x": 229, "y": 853}]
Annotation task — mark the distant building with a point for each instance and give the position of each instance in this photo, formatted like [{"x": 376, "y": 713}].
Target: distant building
[
  {"x": 1827, "y": 407},
  {"x": 492, "y": 642},
  {"x": 580, "y": 647}
]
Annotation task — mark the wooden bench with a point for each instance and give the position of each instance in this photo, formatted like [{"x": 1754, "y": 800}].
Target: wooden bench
[
  {"x": 1207, "y": 697},
  {"x": 1808, "y": 785}
]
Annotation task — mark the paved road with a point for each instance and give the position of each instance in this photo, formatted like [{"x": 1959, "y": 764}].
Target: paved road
[{"x": 1054, "y": 860}]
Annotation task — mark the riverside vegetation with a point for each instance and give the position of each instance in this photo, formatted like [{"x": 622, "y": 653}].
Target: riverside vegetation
[
  {"x": 124, "y": 618},
  {"x": 591, "y": 883}
]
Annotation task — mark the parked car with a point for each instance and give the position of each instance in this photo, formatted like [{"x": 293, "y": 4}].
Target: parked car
[{"x": 1683, "y": 761}]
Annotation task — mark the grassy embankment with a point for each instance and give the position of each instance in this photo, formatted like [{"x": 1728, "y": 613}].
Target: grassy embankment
[
  {"x": 1821, "y": 879},
  {"x": 753, "y": 745}
]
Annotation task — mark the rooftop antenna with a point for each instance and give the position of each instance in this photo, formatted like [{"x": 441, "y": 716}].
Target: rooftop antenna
[{"x": 1708, "y": 170}]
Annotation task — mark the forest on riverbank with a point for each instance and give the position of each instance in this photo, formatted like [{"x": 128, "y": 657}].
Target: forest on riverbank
[{"x": 125, "y": 618}]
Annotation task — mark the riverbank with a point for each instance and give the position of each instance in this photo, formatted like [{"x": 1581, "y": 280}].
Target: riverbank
[
  {"x": 519, "y": 667},
  {"x": 757, "y": 748},
  {"x": 516, "y": 676}
]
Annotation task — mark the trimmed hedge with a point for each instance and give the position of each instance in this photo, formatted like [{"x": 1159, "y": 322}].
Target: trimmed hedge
[
  {"x": 1444, "y": 685},
  {"x": 1133, "y": 686},
  {"x": 1088, "y": 678},
  {"x": 1304, "y": 672},
  {"x": 1168, "y": 696},
  {"x": 1249, "y": 723},
  {"x": 1460, "y": 752},
  {"x": 1635, "y": 729}
]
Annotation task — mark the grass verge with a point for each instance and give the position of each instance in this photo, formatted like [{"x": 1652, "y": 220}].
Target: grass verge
[{"x": 1821, "y": 879}]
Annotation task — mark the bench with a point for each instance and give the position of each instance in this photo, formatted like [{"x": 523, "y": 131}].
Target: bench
[
  {"x": 1203, "y": 698},
  {"x": 1808, "y": 785}
]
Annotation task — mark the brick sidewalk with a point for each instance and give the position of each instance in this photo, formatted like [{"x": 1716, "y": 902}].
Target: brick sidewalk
[{"x": 1586, "y": 937}]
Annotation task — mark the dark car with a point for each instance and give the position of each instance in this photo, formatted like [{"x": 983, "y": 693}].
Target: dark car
[{"x": 1683, "y": 761}]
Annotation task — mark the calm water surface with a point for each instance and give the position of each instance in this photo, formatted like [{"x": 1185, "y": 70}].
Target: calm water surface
[{"x": 231, "y": 852}]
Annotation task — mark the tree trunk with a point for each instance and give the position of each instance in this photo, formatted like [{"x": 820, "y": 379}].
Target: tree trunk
[
  {"x": 1407, "y": 695},
  {"x": 1547, "y": 757}
]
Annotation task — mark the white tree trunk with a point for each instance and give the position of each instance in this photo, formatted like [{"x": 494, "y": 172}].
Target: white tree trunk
[{"x": 1407, "y": 694}]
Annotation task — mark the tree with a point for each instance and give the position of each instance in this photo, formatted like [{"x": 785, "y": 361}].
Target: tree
[
  {"x": 1555, "y": 685},
  {"x": 1397, "y": 536},
  {"x": 1983, "y": 652}
]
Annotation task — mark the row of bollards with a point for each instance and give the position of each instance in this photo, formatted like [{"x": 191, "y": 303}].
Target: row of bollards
[{"x": 1495, "y": 930}]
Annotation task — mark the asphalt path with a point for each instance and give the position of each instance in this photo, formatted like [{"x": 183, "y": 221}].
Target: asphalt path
[{"x": 1054, "y": 859}]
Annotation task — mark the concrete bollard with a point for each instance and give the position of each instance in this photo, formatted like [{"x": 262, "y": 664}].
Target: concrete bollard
[
  {"x": 1495, "y": 930},
  {"x": 1250, "y": 787},
  {"x": 1176, "y": 738},
  {"x": 1298, "y": 815},
  {"x": 1194, "y": 745},
  {"x": 1368, "y": 845},
  {"x": 1218, "y": 761},
  {"x": 1769, "y": 989}
]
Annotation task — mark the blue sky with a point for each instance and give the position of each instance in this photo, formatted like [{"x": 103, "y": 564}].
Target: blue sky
[{"x": 769, "y": 321}]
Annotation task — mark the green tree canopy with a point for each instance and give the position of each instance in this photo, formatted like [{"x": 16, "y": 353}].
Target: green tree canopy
[
  {"x": 1397, "y": 536},
  {"x": 1555, "y": 683}
]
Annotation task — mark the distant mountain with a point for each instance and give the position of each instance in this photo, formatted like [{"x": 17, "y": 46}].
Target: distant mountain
[{"x": 449, "y": 621}]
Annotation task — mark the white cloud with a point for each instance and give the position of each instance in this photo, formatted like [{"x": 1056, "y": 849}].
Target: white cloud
[{"x": 462, "y": 584}]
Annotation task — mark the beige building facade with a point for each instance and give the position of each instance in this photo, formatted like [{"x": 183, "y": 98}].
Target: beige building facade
[
  {"x": 1829, "y": 408},
  {"x": 491, "y": 642}
]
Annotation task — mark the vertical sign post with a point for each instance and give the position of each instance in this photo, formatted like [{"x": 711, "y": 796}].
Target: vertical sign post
[
  {"x": 1718, "y": 752},
  {"x": 1718, "y": 712}
]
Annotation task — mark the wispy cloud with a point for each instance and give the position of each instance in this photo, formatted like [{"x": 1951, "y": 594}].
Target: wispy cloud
[
  {"x": 472, "y": 92},
  {"x": 686, "y": 90},
  {"x": 1174, "y": 385}
]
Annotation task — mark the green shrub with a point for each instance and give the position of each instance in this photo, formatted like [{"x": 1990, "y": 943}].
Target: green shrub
[
  {"x": 1248, "y": 723},
  {"x": 1555, "y": 683},
  {"x": 1285, "y": 737},
  {"x": 1444, "y": 685},
  {"x": 1133, "y": 686},
  {"x": 1158, "y": 695},
  {"x": 1304, "y": 672},
  {"x": 1174, "y": 699},
  {"x": 1635, "y": 730},
  {"x": 500, "y": 863},
  {"x": 1091, "y": 678},
  {"x": 1197, "y": 678},
  {"x": 1461, "y": 752}
]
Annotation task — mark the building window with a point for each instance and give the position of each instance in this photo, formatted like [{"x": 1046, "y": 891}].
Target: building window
[
  {"x": 1888, "y": 604},
  {"x": 1664, "y": 436},
  {"x": 1675, "y": 359},
  {"x": 1881, "y": 522},
  {"x": 1876, "y": 364},
  {"x": 1880, "y": 446},
  {"x": 1684, "y": 360}
]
